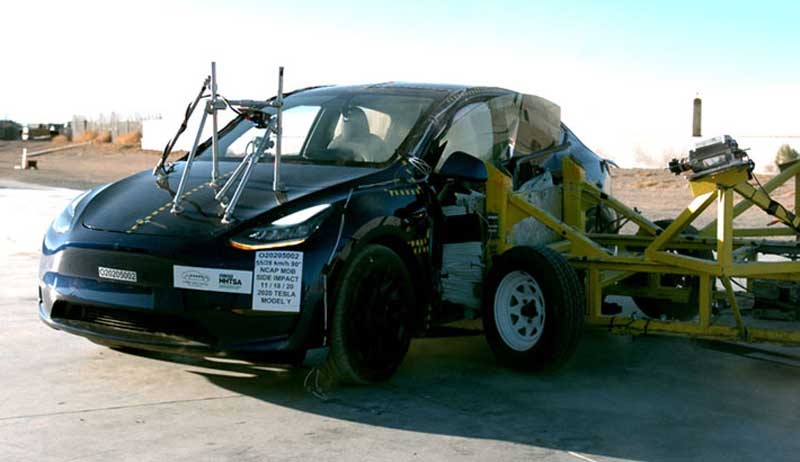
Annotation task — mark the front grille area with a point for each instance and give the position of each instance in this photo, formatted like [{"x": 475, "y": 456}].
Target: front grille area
[{"x": 136, "y": 322}]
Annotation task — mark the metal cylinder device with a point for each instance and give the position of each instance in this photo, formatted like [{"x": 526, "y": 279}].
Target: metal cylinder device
[{"x": 697, "y": 117}]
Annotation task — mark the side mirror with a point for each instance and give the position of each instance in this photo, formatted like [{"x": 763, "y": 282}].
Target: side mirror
[{"x": 462, "y": 166}]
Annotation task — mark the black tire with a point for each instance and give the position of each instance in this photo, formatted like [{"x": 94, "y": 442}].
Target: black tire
[
  {"x": 372, "y": 318},
  {"x": 601, "y": 219},
  {"x": 659, "y": 308},
  {"x": 564, "y": 307}
]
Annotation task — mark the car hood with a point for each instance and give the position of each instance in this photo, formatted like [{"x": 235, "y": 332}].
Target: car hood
[{"x": 141, "y": 205}]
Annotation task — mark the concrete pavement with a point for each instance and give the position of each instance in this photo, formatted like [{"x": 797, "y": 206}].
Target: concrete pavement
[{"x": 63, "y": 398}]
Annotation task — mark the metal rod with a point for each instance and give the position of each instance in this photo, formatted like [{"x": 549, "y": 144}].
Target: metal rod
[
  {"x": 176, "y": 207},
  {"x": 251, "y": 161},
  {"x": 60, "y": 148},
  {"x": 231, "y": 180},
  {"x": 159, "y": 168},
  {"x": 737, "y": 315},
  {"x": 235, "y": 175},
  {"x": 276, "y": 181},
  {"x": 214, "y": 137}
]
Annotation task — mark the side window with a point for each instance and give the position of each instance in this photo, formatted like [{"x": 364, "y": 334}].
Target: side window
[{"x": 469, "y": 132}]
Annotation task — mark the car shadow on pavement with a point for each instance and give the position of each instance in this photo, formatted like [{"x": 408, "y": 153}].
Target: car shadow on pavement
[{"x": 651, "y": 398}]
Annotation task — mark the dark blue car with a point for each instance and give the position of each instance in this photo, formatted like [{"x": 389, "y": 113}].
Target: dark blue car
[{"x": 378, "y": 234}]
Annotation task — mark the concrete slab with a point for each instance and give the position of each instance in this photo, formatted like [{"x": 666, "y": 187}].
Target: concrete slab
[{"x": 657, "y": 399}]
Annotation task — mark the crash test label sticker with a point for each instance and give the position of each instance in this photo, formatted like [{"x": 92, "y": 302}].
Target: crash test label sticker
[
  {"x": 212, "y": 279},
  {"x": 277, "y": 279}
]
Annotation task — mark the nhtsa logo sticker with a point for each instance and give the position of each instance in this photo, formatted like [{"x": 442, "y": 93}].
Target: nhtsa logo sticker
[
  {"x": 116, "y": 274},
  {"x": 229, "y": 281},
  {"x": 213, "y": 279}
]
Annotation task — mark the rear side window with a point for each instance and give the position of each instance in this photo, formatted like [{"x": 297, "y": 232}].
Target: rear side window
[{"x": 502, "y": 128}]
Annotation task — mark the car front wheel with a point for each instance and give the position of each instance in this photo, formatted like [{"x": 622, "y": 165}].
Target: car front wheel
[{"x": 372, "y": 318}]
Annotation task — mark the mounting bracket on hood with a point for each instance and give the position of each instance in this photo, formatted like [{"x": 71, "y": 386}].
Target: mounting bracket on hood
[{"x": 244, "y": 169}]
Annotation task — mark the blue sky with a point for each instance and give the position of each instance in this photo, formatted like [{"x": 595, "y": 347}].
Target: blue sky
[{"x": 624, "y": 72}]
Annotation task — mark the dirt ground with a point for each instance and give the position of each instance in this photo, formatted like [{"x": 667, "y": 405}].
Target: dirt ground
[{"x": 78, "y": 168}]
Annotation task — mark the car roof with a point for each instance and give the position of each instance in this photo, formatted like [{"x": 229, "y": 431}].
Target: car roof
[{"x": 436, "y": 91}]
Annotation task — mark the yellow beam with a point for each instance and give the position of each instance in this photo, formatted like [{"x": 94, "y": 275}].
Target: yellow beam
[
  {"x": 627, "y": 325},
  {"x": 797, "y": 197},
  {"x": 674, "y": 294},
  {"x": 595, "y": 193},
  {"x": 689, "y": 243},
  {"x": 519, "y": 208},
  {"x": 636, "y": 265},
  {"x": 610, "y": 278},
  {"x": 594, "y": 293},
  {"x": 574, "y": 179},
  {"x": 725, "y": 228},
  {"x": 696, "y": 207},
  {"x": 769, "y": 186},
  {"x": 764, "y": 268},
  {"x": 561, "y": 246},
  {"x": 761, "y": 199},
  {"x": 764, "y": 232},
  {"x": 698, "y": 265}
]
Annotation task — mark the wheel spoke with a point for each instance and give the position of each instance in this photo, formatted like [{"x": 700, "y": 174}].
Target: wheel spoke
[
  {"x": 519, "y": 310},
  {"x": 527, "y": 291},
  {"x": 521, "y": 294}
]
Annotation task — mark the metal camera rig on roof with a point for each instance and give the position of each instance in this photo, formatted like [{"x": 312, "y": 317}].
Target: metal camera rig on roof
[{"x": 266, "y": 114}]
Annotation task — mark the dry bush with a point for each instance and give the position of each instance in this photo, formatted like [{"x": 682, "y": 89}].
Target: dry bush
[
  {"x": 60, "y": 139},
  {"x": 103, "y": 137},
  {"x": 129, "y": 139},
  {"x": 88, "y": 135},
  {"x": 786, "y": 155}
]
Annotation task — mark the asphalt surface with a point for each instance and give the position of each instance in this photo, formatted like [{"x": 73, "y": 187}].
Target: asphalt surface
[{"x": 63, "y": 398}]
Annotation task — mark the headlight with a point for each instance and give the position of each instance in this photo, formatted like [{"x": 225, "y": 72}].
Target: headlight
[
  {"x": 290, "y": 230},
  {"x": 64, "y": 220}
]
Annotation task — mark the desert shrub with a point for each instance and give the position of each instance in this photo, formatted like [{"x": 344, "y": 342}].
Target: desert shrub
[
  {"x": 88, "y": 135},
  {"x": 785, "y": 155},
  {"x": 129, "y": 139},
  {"x": 103, "y": 137}
]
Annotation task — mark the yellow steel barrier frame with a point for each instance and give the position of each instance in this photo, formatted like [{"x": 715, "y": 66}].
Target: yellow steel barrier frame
[{"x": 605, "y": 259}]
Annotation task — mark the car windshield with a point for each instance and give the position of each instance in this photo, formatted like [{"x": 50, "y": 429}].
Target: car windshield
[{"x": 345, "y": 128}]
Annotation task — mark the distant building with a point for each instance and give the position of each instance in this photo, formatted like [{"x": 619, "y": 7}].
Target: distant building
[{"x": 10, "y": 130}]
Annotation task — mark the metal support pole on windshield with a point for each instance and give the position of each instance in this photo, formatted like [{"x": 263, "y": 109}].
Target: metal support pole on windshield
[
  {"x": 176, "y": 202},
  {"x": 249, "y": 162},
  {"x": 239, "y": 168},
  {"x": 214, "y": 136},
  {"x": 278, "y": 104}
]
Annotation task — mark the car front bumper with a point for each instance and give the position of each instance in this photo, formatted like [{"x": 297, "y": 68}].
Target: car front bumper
[{"x": 152, "y": 314}]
